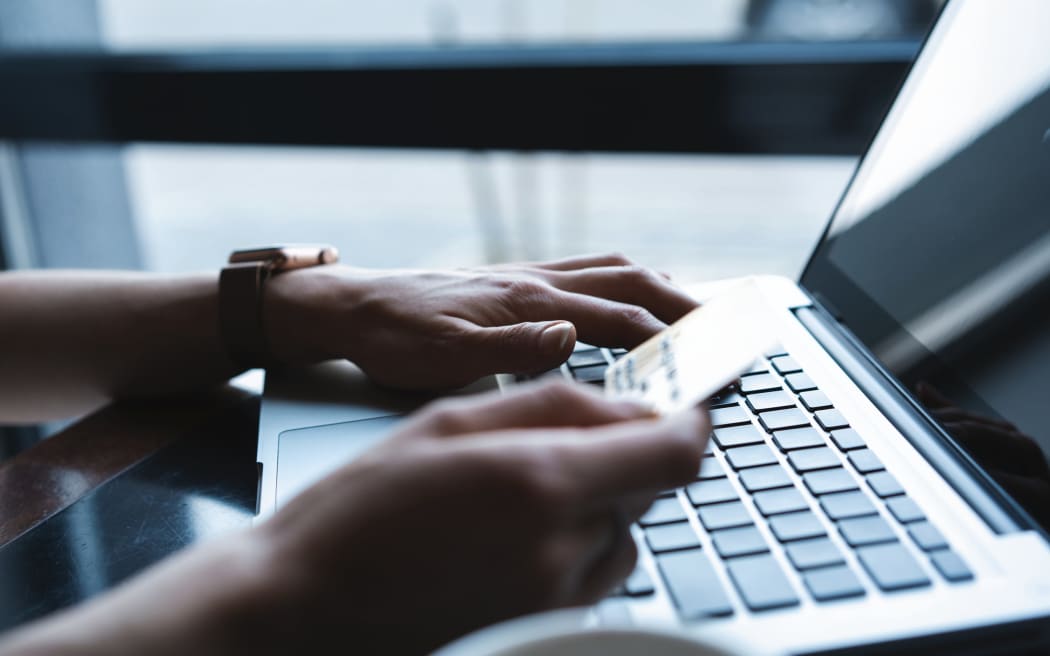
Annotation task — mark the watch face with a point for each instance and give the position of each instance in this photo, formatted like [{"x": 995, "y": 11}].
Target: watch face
[
  {"x": 292, "y": 256},
  {"x": 261, "y": 254}
]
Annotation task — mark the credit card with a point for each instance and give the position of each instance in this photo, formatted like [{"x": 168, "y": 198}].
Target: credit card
[{"x": 699, "y": 354}]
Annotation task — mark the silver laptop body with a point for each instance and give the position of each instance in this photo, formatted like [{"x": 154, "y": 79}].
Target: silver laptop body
[{"x": 907, "y": 541}]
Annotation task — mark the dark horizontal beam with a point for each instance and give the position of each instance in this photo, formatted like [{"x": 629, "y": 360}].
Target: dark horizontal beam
[{"x": 742, "y": 97}]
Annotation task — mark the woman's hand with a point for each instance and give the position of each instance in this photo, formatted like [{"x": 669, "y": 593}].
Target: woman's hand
[
  {"x": 477, "y": 510},
  {"x": 420, "y": 329}
]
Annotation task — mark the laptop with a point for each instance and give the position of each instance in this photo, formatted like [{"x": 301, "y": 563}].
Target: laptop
[{"x": 838, "y": 508}]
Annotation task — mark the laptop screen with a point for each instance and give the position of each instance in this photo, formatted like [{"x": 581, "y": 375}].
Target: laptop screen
[{"x": 938, "y": 257}]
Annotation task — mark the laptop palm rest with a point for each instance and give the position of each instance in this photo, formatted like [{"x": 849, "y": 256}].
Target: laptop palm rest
[{"x": 305, "y": 455}]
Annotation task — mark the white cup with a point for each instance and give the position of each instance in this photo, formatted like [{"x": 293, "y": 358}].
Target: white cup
[{"x": 566, "y": 633}]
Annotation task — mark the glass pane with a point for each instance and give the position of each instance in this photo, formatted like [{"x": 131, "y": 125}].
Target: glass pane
[
  {"x": 697, "y": 217},
  {"x": 133, "y": 24}
]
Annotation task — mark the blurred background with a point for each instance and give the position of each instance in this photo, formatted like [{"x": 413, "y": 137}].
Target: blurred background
[
  {"x": 708, "y": 138},
  {"x": 696, "y": 215}
]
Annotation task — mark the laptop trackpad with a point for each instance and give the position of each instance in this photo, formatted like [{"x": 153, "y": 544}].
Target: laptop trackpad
[{"x": 305, "y": 455}]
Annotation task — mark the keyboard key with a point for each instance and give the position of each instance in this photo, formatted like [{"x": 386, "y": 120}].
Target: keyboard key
[
  {"x": 759, "y": 383},
  {"x": 714, "y": 491},
  {"x": 725, "y": 398},
  {"x": 663, "y": 511},
  {"x": 757, "y": 479},
  {"x": 735, "y": 542},
  {"x": 862, "y": 531},
  {"x": 927, "y": 536},
  {"x": 732, "y": 436},
  {"x": 800, "y": 383},
  {"x": 710, "y": 468},
  {"x": 782, "y": 419},
  {"x": 829, "y": 481},
  {"x": 810, "y": 554},
  {"x": 775, "y": 502},
  {"x": 951, "y": 566},
  {"x": 638, "y": 584},
  {"x": 724, "y": 515},
  {"x": 693, "y": 584},
  {"x": 766, "y": 401},
  {"x": 865, "y": 461},
  {"x": 806, "y": 460},
  {"x": 786, "y": 364},
  {"x": 847, "y": 439},
  {"x": 729, "y": 416},
  {"x": 617, "y": 353},
  {"x": 847, "y": 504},
  {"x": 884, "y": 484},
  {"x": 593, "y": 374},
  {"x": 798, "y": 438},
  {"x": 671, "y": 537},
  {"x": 750, "y": 456},
  {"x": 892, "y": 567},
  {"x": 586, "y": 358},
  {"x": 905, "y": 510},
  {"x": 831, "y": 419},
  {"x": 761, "y": 583},
  {"x": 815, "y": 400},
  {"x": 775, "y": 352},
  {"x": 833, "y": 583},
  {"x": 796, "y": 526}
]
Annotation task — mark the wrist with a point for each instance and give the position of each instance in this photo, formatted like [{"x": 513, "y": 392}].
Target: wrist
[
  {"x": 242, "y": 295},
  {"x": 307, "y": 314}
]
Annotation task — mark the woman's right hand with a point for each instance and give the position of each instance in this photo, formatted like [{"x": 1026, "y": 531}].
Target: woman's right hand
[{"x": 476, "y": 510}]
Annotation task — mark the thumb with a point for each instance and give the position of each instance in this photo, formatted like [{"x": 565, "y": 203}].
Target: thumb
[{"x": 526, "y": 347}]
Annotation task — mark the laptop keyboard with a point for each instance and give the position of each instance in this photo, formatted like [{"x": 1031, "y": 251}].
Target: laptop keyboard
[{"x": 788, "y": 503}]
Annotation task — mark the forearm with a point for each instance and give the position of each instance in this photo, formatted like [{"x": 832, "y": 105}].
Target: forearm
[
  {"x": 80, "y": 338},
  {"x": 205, "y": 601}
]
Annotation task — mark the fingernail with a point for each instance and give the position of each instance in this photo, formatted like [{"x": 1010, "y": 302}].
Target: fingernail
[{"x": 558, "y": 336}]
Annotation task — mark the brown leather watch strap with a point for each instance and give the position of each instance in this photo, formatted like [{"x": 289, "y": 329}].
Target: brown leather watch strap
[
  {"x": 240, "y": 312},
  {"x": 241, "y": 295}
]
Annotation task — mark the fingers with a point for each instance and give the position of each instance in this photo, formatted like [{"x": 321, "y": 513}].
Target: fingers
[
  {"x": 603, "y": 451},
  {"x": 616, "y": 462},
  {"x": 610, "y": 561},
  {"x": 628, "y": 284},
  {"x": 610, "y": 301},
  {"x": 584, "y": 262},
  {"x": 598, "y": 321},
  {"x": 555, "y": 404},
  {"x": 582, "y": 563},
  {"x": 522, "y": 348}
]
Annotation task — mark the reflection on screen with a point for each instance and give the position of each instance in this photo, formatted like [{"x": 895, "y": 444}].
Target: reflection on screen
[{"x": 939, "y": 257}]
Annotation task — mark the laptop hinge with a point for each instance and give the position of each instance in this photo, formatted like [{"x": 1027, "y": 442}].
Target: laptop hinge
[{"x": 1001, "y": 513}]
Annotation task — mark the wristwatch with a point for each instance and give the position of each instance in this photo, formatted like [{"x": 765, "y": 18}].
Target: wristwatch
[{"x": 241, "y": 286}]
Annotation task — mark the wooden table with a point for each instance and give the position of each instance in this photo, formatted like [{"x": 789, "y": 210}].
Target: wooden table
[{"x": 118, "y": 491}]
